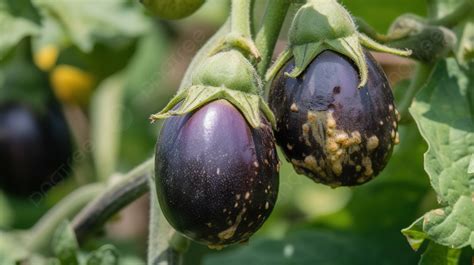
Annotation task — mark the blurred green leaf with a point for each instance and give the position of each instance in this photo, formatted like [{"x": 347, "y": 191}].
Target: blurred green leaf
[
  {"x": 6, "y": 217},
  {"x": 465, "y": 47},
  {"x": 106, "y": 113},
  {"x": 380, "y": 14},
  {"x": 464, "y": 30},
  {"x": 64, "y": 244},
  {"x": 85, "y": 22},
  {"x": 449, "y": 130},
  {"x": 146, "y": 91},
  {"x": 440, "y": 8},
  {"x": 13, "y": 30},
  {"x": 21, "y": 8},
  {"x": 50, "y": 33},
  {"x": 106, "y": 255},
  {"x": 440, "y": 255},
  {"x": 10, "y": 253},
  {"x": 13, "y": 252},
  {"x": 315, "y": 247}
]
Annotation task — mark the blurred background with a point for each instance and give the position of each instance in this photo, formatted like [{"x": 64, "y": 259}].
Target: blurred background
[{"x": 74, "y": 104}]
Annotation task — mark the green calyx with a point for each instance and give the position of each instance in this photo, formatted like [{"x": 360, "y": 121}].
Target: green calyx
[
  {"x": 323, "y": 25},
  {"x": 250, "y": 105},
  {"x": 319, "y": 20},
  {"x": 228, "y": 75},
  {"x": 229, "y": 69}
]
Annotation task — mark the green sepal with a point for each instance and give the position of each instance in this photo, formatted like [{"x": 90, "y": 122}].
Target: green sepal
[
  {"x": 192, "y": 98},
  {"x": 375, "y": 46},
  {"x": 415, "y": 234},
  {"x": 320, "y": 20},
  {"x": 229, "y": 69},
  {"x": 348, "y": 46}
]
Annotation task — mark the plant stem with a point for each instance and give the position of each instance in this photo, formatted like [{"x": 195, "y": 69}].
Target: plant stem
[
  {"x": 99, "y": 209},
  {"x": 133, "y": 185},
  {"x": 460, "y": 13},
  {"x": 240, "y": 17},
  {"x": 267, "y": 36},
  {"x": 39, "y": 236},
  {"x": 422, "y": 74}
]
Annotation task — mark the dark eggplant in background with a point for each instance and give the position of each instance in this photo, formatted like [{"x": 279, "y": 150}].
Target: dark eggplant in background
[
  {"x": 329, "y": 129},
  {"x": 35, "y": 148},
  {"x": 216, "y": 177}
]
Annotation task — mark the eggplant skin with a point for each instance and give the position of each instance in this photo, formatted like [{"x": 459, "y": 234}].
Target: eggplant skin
[
  {"x": 216, "y": 177},
  {"x": 328, "y": 128}
]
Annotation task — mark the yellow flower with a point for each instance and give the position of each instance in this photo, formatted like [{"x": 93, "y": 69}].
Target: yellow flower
[
  {"x": 46, "y": 57},
  {"x": 71, "y": 84}
]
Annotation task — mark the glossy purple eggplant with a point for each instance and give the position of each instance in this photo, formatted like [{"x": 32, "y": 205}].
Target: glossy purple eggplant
[
  {"x": 216, "y": 177},
  {"x": 328, "y": 128}
]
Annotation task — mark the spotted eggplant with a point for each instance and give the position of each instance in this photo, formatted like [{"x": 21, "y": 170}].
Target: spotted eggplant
[
  {"x": 329, "y": 129},
  {"x": 216, "y": 176}
]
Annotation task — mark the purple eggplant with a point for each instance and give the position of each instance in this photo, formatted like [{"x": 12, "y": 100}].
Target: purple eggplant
[
  {"x": 329, "y": 129},
  {"x": 216, "y": 177},
  {"x": 35, "y": 149}
]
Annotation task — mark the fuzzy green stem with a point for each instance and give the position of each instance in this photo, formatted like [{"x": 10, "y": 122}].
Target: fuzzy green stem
[
  {"x": 267, "y": 36},
  {"x": 422, "y": 74},
  {"x": 459, "y": 14},
  {"x": 131, "y": 186},
  {"x": 38, "y": 237},
  {"x": 240, "y": 17},
  {"x": 367, "y": 29},
  {"x": 240, "y": 36}
]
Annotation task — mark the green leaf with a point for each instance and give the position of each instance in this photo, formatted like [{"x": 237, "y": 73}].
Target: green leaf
[
  {"x": 11, "y": 253},
  {"x": 452, "y": 226},
  {"x": 6, "y": 217},
  {"x": 84, "y": 22},
  {"x": 440, "y": 8},
  {"x": 314, "y": 247},
  {"x": 415, "y": 234},
  {"x": 64, "y": 244},
  {"x": 444, "y": 115},
  {"x": 470, "y": 169},
  {"x": 440, "y": 255},
  {"x": 13, "y": 30},
  {"x": 464, "y": 30},
  {"x": 465, "y": 47},
  {"x": 105, "y": 255}
]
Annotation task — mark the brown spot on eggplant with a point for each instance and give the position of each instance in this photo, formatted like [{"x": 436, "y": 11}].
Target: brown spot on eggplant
[
  {"x": 205, "y": 164},
  {"x": 341, "y": 135}
]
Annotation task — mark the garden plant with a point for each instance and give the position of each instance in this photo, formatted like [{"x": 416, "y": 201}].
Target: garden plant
[{"x": 285, "y": 140}]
